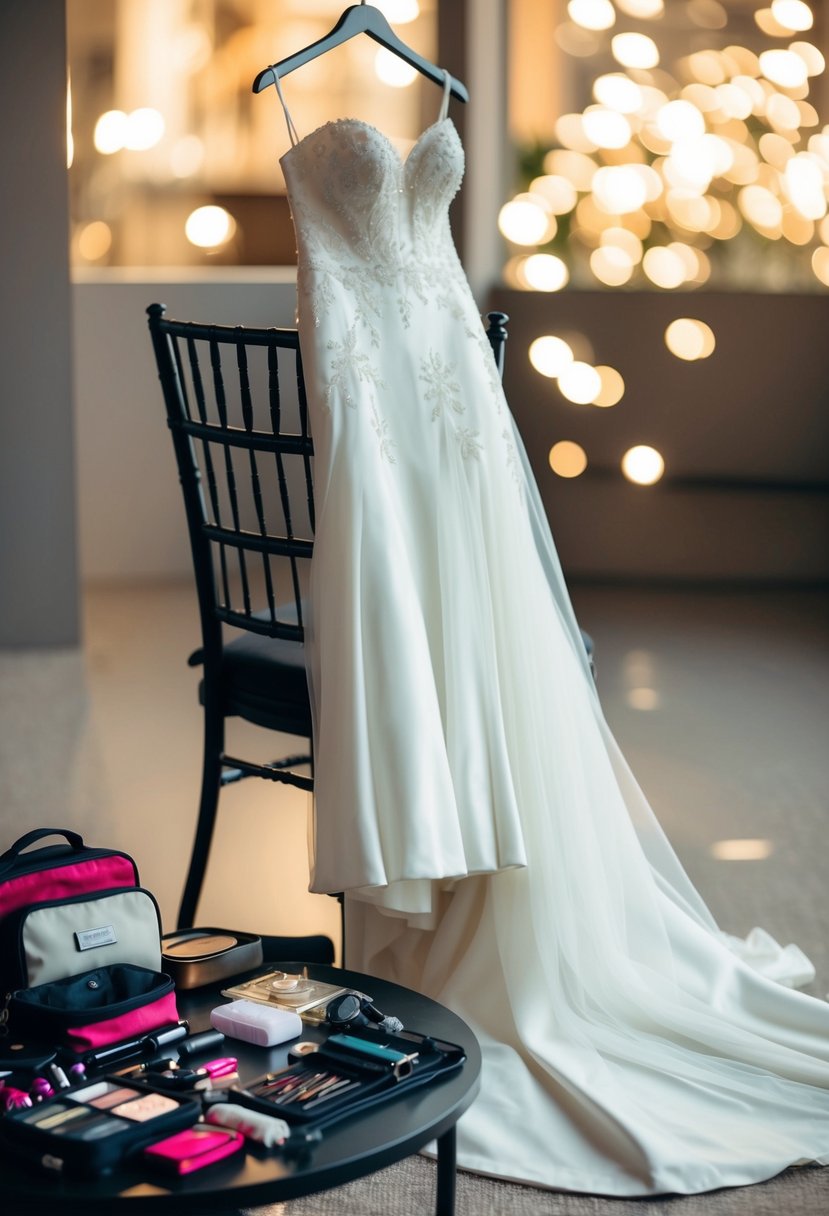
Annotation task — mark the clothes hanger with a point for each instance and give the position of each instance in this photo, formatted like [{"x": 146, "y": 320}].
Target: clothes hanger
[{"x": 359, "y": 19}]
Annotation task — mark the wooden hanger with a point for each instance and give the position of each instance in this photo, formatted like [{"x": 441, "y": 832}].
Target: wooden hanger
[{"x": 359, "y": 19}]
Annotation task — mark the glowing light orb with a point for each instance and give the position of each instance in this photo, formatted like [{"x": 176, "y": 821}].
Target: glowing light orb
[
  {"x": 525, "y": 220},
  {"x": 209, "y": 227},
  {"x": 784, "y": 68},
  {"x": 613, "y": 387},
  {"x": 664, "y": 267},
  {"x": 393, "y": 70},
  {"x": 680, "y": 120},
  {"x": 634, "y": 50},
  {"x": 94, "y": 241},
  {"x": 644, "y": 10},
  {"x": 545, "y": 272},
  {"x": 550, "y": 355},
  {"x": 811, "y": 56},
  {"x": 145, "y": 128},
  {"x": 579, "y": 382},
  {"x": 803, "y": 183},
  {"x": 643, "y": 465},
  {"x": 792, "y": 14},
  {"x": 592, "y": 14},
  {"x": 619, "y": 189},
  {"x": 110, "y": 132},
  {"x": 760, "y": 207},
  {"x": 690, "y": 339},
  {"x": 820, "y": 264},
  {"x": 618, "y": 92},
  {"x": 606, "y": 128},
  {"x": 567, "y": 459},
  {"x": 611, "y": 265}
]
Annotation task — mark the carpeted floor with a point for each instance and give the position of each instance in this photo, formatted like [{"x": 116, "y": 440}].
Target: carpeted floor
[{"x": 408, "y": 1189}]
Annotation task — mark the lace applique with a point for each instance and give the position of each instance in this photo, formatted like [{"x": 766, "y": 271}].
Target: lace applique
[
  {"x": 468, "y": 442},
  {"x": 512, "y": 461},
  {"x": 348, "y": 364},
  {"x": 441, "y": 387},
  {"x": 381, "y": 430}
]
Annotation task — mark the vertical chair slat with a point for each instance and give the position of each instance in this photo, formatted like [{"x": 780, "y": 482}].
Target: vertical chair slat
[
  {"x": 230, "y": 472},
  {"x": 212, "y": 484},
  {"x": 282, "y": 481},
  {"x": 247, "y": 418}
]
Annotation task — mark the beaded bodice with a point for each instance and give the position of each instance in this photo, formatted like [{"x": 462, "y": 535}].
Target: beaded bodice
[{"x": 355, "y": 201}]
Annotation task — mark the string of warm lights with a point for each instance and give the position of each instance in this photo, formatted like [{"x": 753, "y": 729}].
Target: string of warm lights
[{"x": 662, "y": 171}]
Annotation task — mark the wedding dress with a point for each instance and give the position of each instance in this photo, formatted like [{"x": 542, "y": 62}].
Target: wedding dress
[{"x": 496, "y": 851}]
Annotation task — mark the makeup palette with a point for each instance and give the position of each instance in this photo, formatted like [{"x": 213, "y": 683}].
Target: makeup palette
[{"x": 92, "y": 1128}]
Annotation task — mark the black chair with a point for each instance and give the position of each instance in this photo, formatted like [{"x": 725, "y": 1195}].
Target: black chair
[{"x": 243, "y": 449}]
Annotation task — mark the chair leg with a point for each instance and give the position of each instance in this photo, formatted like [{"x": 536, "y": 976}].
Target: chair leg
[{"x": 209, "y": 801}]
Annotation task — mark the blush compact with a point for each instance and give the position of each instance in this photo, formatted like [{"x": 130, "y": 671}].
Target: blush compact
[{"x": 194, "y": 957}]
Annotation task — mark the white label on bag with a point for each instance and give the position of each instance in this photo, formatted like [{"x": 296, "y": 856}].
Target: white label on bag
[{"x": 88, "y": 939}]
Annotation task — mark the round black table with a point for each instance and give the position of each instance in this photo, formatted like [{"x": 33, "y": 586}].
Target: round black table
[{"x": 350, "y": 1149}]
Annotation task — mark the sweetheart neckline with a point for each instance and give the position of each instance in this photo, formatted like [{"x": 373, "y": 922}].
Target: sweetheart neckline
[{"x": 368, "y": 126}]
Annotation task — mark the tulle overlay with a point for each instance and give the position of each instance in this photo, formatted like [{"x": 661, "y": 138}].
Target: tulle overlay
[{"x": 497, "y": 852}]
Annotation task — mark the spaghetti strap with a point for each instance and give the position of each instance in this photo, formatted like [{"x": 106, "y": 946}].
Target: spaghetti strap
[
  {"x": 444, "y": 106},
  {"x": 292, "y": 131}
]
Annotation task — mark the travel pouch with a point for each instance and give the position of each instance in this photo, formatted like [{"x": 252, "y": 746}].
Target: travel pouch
[
  {"x": 350, "y": 1073},
  {"x": 47, "y": 941},
  {"x": 92, "y": 1128},
  {"x": 52, "y": 874},
  {"x": 92, "y": 1010}
]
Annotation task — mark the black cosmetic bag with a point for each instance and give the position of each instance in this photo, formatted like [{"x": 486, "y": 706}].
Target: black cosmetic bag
[{"x": 93, "y": 1010}]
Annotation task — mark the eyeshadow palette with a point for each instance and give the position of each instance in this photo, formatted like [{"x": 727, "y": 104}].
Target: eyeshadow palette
[{"x": 92, "y": 1128}]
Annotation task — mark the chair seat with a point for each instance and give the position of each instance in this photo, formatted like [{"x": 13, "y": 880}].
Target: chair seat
[{"x": 263, "y": 681}]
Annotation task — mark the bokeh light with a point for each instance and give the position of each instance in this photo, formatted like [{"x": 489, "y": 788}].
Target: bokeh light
[
  {"x": 643, "y": 465},
  {"x": 94, "y": 241},
  {"x": 593, "y": 14},
  {"x": 792, "y": 14},
  {"x": 209, "y": 227},
  {"x": 393, "y": 70},
  {"x": 144, "y": 129},
  {"x": 567, "y": 459},
  {"x": 549, "y": 355},
  {"x": 526, "y": 220},
  {"x": 634, "y": 50},
  {"x": 579, "y": 382},
  {"x": 545, "y": 272},
  {"x": 110, "y": 133},
  {"x": 644, "y": 10},
  {"x": 690, "y": 339},
  {"x": 612, "y": 388}
]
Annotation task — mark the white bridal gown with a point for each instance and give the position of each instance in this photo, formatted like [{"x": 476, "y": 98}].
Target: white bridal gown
[{"x": 497, "y": 853}]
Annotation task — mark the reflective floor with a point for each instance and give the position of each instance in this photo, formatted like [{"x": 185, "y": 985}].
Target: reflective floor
[{"x": 719, "y": 701}]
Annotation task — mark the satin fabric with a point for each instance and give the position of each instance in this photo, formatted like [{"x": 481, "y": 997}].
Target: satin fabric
[{"x": 496, "y": 851}]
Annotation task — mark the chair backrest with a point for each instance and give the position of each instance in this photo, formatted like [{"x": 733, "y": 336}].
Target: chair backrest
[
  {"x": 243, "y": 448},
  {"x": 238, "y": 415}
]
